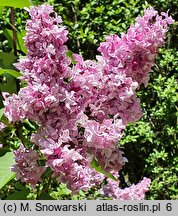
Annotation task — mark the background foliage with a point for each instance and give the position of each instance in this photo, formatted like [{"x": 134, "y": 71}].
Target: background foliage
[{"x": 150, "y": 144}]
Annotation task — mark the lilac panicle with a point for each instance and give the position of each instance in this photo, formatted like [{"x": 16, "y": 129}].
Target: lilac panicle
[
  {"x": 134, "y": 192},
  {"x": 82, "y": 109},
  {"x": 134, "y": 53},
  {"x": 26, "y": 166}
]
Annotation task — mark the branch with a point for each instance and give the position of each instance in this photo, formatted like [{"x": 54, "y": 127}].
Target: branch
[
  {"x": 14, "y": 31},
  {"x": 14, "y": 41}
]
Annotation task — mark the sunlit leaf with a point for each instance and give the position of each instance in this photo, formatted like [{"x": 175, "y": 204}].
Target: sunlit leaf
[
  {"x": 5, "y": 174},
  {"x": 1, "y": 112},
  {"x": 20, "y": 41},
  {"x": 97, "y": 167},
  {"x": 69, "y": 54},
  {"x": 15, "y": 3},
  {"x": 11, "y": 72},
  {"x": 7, "y": 59}
]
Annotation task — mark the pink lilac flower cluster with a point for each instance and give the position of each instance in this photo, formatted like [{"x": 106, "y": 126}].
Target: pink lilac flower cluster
[
  {"x": 82, "y": 109},
  {"x": 26, "y": 167},
  {"x": 134, "y": 192},
  {"x": 134, "y": 53}
]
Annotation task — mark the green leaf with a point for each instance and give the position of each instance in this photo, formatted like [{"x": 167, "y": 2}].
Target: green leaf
[
  {"x": 19, "y": 195},
  {"x": 5, "y": 174},
  {"x": 20, "y": 41},
  {"x": 19, "y": 186},
  {"x": 47, "y": 173},
  {"x": 11, "y": 72},
  {"x": 69, "y": 54},
  {"x": 6, "y": 60},
  {"x": 8, "y": 71},
  {"x": 4, "y": 151},
  {"x": 21, "y": 192},
  {"x": 94, "y": 164},
  {"x": 1, "y": 9},
  {"x": 8, "y": 35},
  {"x": 45, "y": 196},
  {"x": 1, "y": 112},
  {"x": 15, "y": 3},
  {"x": 10, "y": 85}
]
